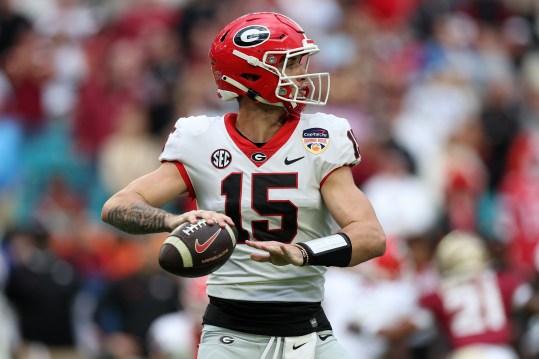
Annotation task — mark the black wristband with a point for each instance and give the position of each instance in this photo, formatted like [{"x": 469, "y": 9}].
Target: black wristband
[{"x": 331, "y": 251}]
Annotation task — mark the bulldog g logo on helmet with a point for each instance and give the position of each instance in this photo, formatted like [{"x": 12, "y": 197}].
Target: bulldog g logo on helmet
[
  {"x": 253, "y": 56},
  {"x": 251, "y": 36}
]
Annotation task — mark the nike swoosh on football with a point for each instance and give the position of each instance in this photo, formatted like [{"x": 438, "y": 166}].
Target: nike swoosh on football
[
  {"x": 323, "y": 337},
  {"x": 294, "y": 347},
  {"x": 199, "y": 248},
  {"x": 289, "y": 162}
]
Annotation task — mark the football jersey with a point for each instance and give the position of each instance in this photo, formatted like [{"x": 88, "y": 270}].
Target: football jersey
[
  {"x": 272, "y": 193},
  {"x": 476, "y": 309}
]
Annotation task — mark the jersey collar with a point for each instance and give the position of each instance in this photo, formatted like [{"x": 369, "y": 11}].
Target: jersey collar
[{"x": 269, "y": 148}]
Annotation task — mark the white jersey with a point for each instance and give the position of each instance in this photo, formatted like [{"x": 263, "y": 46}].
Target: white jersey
[{"x": 270, "y": 192}]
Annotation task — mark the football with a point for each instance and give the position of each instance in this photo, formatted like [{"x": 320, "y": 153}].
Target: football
[{"x": 196, "y": 250}]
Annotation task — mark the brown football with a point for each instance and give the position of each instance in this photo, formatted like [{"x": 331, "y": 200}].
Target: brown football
[{"x": 196, "y": 250}]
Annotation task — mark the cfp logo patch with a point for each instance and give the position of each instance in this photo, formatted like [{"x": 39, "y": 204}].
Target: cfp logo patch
[
  {"x": 315, "y": 139},
  {"x": 251, "y": 36},
  {"x": 221, "y": 158}
]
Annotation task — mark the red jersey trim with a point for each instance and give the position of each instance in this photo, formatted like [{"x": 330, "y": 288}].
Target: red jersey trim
[
  {"x": 327, "y": 176},
  {"x": 269, "y": 148},
  {"x": 185, "y": 177}
]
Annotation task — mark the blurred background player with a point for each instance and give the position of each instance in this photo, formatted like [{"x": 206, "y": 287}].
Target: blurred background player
[
  {"x": 474, "y": 305},
  {"x": 42, "y": 288}
]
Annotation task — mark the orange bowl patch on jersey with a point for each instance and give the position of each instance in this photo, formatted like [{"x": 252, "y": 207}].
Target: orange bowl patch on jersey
[{"x": 315, "y": 140}]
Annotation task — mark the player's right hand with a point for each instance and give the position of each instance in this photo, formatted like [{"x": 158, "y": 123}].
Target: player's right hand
[{"x": 211, "y": 217}]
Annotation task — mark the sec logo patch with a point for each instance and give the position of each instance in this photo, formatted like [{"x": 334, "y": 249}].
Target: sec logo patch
[
  {"x": 315, "y": 139},
  {"x": 221, "y": 158}
]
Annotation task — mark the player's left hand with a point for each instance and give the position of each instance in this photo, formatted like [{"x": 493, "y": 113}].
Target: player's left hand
[{"x": 278, "y": 253}]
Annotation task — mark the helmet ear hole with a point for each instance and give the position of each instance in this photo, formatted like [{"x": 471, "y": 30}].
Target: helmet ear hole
[{"x": 250, "y": 77}]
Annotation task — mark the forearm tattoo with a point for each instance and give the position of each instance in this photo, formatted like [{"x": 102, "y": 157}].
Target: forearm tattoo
[{"x": 138, "y": 219}]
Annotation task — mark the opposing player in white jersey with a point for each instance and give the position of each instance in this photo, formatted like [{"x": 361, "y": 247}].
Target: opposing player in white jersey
[{"x": 279, "y": 177}]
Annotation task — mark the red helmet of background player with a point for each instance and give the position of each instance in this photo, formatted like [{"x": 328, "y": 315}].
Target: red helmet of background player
[{"x": 249, "y": 57}]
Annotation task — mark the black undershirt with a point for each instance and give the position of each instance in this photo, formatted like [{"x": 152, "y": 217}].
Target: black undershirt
[{"x": 282, "y": 319}]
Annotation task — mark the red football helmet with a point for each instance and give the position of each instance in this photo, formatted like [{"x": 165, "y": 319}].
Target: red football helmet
[{"x": 249, "y": 57}]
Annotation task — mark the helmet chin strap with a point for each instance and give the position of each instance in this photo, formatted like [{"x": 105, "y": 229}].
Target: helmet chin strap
[{"x": 250, "y": 93}]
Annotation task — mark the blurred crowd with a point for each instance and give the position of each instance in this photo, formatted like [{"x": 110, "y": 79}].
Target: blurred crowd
[{"x": 442, "y": 95}]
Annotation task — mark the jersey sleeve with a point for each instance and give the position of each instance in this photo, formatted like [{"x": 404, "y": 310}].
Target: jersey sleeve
[
  {"x": 343, "y": 149},
  {"x": 186, "y": 137},
  {"x": 172, "y": 150}
]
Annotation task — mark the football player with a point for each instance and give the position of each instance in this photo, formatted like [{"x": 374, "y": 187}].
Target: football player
[
  {"x": 473, "y": 304},
  {"x": 279, "y": 176}
]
